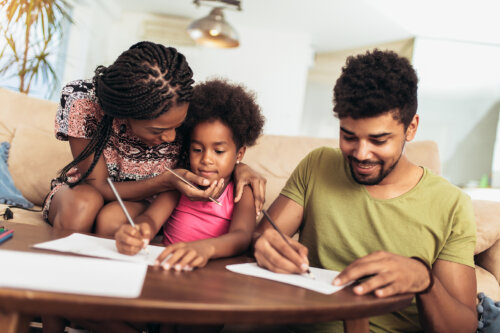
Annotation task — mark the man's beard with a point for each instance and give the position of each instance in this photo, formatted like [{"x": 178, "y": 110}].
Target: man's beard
[{"x": 382, "y": 174}]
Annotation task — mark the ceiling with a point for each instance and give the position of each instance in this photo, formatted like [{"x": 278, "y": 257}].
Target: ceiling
[{"x": 341, "y": 24}]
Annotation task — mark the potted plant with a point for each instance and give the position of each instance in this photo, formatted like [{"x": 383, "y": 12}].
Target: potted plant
[{"x": 31, "y": 31}]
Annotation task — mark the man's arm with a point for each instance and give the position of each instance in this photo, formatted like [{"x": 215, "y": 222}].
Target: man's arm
[
  {"x": 270, "y": 250},
  {"x": 450, "y": 306}
]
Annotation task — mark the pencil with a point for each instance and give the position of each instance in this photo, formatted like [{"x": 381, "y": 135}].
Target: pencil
[
  {"x": 308, "y": 272},
  {"x": 125, "y": 211},
  {"x": 189, "y": 183}
]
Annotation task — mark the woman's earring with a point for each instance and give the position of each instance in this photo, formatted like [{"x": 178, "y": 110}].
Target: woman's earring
[{"x": 237, "y": 161}]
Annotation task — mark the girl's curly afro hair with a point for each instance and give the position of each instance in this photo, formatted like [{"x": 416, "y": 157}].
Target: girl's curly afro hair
[{"x": 230, "y": 103}]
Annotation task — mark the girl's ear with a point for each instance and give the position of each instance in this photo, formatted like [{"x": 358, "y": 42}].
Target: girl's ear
[{"x": 240, "y": 154}]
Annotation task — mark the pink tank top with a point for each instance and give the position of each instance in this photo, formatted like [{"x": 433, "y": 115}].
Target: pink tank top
[{"x": 194, "y": 220}]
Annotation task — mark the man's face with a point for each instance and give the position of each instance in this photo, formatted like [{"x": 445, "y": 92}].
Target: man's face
[{"x": 373, "y": 146}]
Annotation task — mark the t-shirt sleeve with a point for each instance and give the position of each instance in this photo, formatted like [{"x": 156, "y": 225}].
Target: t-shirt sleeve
[
  {"x": 296, "y": 186},
  {"x": 459, "y": 246},
  {"x": 78, "y": 113}
]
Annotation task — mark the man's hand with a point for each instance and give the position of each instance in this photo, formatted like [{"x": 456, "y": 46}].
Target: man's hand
[
  {"x": 273, "y": 253},
  {"x": 211, "y": 189},
  {"x": 244, "y": 175},
  {"x": 130, "y": 240},
  {"x": 392, "y": 274}
]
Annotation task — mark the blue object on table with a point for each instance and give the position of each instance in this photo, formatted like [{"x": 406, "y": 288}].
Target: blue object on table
[
  {"x": 489, "y": 315},
  {"x": 9, "y": 194}
]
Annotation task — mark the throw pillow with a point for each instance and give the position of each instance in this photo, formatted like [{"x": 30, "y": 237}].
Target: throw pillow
[
  {"x": 9, "y": 194},
  {"x": 489, "y": 314}
]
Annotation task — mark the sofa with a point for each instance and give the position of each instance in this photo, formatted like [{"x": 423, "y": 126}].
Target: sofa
[{"x": 35, "y": 157}]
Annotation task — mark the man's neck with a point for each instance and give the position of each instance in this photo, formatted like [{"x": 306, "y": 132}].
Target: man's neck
[{"x": 402, "y": 179}]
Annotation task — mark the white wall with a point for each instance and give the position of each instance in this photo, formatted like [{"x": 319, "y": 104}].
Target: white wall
[
  {"x": 272, "y": 64},
  {"x": 459, "y": 96}
]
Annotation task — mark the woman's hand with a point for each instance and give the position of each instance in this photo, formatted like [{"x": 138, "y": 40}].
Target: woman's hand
[
  {"x": 184, "y": 256},
  {"x": 244, "y": 175},
  {"x": 130, "y": 240},
  {"x": 214, "y": 189}
]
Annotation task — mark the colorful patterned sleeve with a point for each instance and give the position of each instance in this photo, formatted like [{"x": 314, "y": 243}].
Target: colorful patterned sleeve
[{"x": 78, "y": 112}]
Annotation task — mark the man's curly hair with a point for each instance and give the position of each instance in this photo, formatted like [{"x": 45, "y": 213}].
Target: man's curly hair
[
  {"x": 230, "y": 103},
  {"x": 375, "y": 83}
]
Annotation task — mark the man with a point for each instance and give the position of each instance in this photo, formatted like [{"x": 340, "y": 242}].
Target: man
[{"x": 366, "y": 210}]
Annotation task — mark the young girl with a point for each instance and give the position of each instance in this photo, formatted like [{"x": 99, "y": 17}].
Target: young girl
[{"x": 223, "y": 119}]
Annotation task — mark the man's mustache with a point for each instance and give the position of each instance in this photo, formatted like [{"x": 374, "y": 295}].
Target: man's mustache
[{"x": 364, "y": 162}]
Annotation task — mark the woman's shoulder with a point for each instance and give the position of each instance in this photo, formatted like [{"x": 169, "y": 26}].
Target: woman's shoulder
[
  {"x": 78, "y": 112},
  {"x": 78, "y": 89}
]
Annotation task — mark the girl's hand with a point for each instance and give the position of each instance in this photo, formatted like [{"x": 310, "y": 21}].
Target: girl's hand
[
  {"x": 205, "y": 190},
  {"x": 244, "y": 175},
  {"x": 130, "y": 240},
  {"x": 184, "y": 256}
]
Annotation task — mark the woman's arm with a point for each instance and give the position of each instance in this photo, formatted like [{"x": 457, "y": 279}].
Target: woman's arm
[
  {"x": 185, "y": 256},
  {"x": 244, "y": 175},
  {"x": 140, "y": 189},
  {"x": 130, "y": 240}
]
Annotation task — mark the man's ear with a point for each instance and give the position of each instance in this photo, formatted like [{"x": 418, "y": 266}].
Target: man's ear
[
  {"x": 240, "y": 154},
  {"x": 411, "y": 131}
]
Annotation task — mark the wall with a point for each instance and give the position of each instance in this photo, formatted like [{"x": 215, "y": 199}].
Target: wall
[
  {"x": 459, "y": 94},
  {"x": 273, "y": 64}
]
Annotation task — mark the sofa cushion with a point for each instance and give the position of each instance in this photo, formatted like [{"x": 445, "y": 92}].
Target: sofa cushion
[
  {"x": 487, "y": 283},
  {"x": 35, "y": 158},
  {"x": 487, "y": 215},
  {"x": 9, "y": 194}
]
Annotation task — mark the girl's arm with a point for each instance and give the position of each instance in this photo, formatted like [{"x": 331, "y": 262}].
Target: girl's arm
[
  {"x": 186, "y": 256},
  {"x": 130, "y": 240},
  {"x": 140, "y": 189}
]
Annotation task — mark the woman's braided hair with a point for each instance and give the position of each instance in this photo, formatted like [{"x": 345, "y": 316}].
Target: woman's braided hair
[{"x": 143, "y": 83}]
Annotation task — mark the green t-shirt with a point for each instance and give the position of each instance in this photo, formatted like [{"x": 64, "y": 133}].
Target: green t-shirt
[{"x": 342, "y": 222}]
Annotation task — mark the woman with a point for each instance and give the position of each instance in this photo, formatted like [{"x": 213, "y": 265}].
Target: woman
[{"x": 122, "y": 124}]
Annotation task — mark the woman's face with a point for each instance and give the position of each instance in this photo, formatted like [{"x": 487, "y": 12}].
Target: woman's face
[{"x": 162, "y": 129}]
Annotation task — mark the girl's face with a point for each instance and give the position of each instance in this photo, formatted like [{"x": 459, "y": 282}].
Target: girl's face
[
  {"x": 212, "y": 152},
  {"x": 162, "y": 129}
]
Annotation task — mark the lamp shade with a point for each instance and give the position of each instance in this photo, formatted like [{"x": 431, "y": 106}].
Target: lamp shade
[{"x": 213, "y": 30}]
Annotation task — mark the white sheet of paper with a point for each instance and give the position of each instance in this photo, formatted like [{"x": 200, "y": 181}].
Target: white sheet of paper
[
  {"x": 98, "y": 247},
  {"x": 71, "y": 274},
  {"x": 322, "y": 282}
]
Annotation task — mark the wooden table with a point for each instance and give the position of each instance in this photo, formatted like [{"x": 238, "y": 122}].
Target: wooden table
[{"x": 212, "y": 295}]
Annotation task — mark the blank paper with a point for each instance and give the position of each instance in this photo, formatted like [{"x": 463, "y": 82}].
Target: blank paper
[{"x": 71, "y": 274}]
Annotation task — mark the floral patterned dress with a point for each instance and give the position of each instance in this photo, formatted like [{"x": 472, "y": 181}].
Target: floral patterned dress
[{"x": 126, "y": 156}]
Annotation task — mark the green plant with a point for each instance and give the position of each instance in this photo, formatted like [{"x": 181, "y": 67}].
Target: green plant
[{"x": 31, "y": 30}]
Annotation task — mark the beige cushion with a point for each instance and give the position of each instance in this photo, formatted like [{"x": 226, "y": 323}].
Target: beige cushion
[
  {"x": 275, "y": 157},
  {"x": 35, "y": 158},
  {"x": 487, "y": 283},
  {"x": 487, "y": 215},
  {"x": 17, "y": 109}
]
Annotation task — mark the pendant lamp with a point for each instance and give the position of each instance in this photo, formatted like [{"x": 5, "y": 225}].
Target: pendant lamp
[{"x": 213, "y": 30}]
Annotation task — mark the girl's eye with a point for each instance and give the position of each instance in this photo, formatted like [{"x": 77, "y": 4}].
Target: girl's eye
[
  {"x": 349, "y": 138},
  {"x": 219, "y": 152},
  {"x": 196, "y": 150}
]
